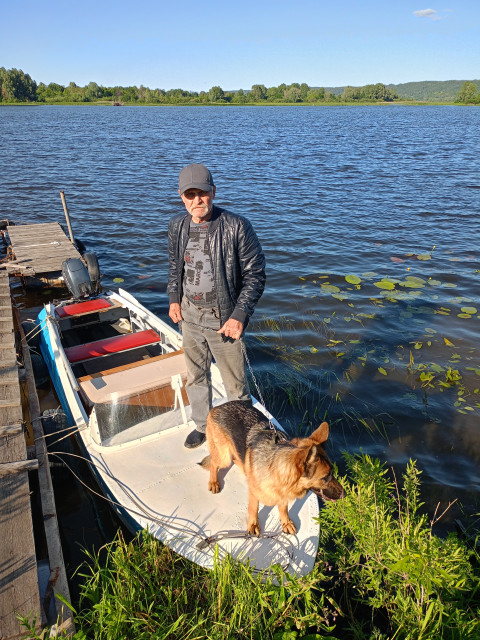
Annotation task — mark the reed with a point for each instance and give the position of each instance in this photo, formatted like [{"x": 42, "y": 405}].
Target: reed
[{"x": 396, "y": 578}]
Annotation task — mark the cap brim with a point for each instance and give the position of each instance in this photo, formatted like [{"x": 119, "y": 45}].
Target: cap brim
[{"x": 196, "y": 185}]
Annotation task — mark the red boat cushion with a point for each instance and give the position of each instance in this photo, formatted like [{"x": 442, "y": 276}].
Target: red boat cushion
[
  {"x": 111, "y": 345},
  {"x": 82, "y": 307}
]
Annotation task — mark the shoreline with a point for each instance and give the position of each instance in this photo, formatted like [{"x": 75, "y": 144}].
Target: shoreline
[{"x": 403, "y": 103}]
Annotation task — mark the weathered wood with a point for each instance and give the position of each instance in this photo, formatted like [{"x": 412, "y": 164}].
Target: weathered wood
[
  {"x": 18, "y": 568},
  {"x": 12, "y": 468},
  {"x": 39, "y": 248},
  {"x": 58, "y": 575},
  {"x": 67, "y": 216},
  {"x": 11, "y": 430}
]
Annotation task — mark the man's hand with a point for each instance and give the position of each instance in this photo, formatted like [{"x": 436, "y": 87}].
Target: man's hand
[
  {"x": 175, "y": 312},
  {"x": 232, "y": 329}
]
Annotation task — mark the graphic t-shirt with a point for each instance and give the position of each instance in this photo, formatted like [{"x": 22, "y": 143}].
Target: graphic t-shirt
[{"x": 198, "y": 280}]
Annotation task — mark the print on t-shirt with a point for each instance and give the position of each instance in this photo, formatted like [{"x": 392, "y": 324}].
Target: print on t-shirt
[{"x": 199, "y": 282}]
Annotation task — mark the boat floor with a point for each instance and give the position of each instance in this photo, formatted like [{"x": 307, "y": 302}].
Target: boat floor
[{"x": 162, "y": 487}]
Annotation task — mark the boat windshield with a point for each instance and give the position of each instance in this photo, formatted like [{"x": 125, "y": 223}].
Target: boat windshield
[
  {"x": 141, "y": 395},
  {"x": 125, "y": 421}
]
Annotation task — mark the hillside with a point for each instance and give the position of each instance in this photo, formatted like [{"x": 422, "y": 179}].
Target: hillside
[{"x": 428, "y": 90}]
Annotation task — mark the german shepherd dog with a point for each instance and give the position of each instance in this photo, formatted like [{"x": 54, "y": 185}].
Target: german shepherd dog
[{"x": 277, "y": 471}]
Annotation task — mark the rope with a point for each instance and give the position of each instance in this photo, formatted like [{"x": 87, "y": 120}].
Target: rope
[
  {"x": 38, "y": 328},
  {"x": 204, "y": 542},
  {"x": 278, "y": 434}
]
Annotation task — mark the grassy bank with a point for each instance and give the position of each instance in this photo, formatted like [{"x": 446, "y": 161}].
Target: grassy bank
[{"x": 381, "y": 573}]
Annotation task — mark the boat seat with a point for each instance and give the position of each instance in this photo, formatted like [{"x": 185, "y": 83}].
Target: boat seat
[
  {"x": 81, "y": 308},
  {"x": 108, "y": 346},
  {"x": 150, "y": 377}
]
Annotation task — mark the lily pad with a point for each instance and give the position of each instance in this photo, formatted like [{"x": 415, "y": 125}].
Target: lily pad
[
  {"x": 330, "y": 288},
  {"x": 424, "y": 256},
  {"x": 353, "y": 279},
  {"x": 382, "y": 371},
  {"x": 385, "y": 284},
  {"x": 469, "y": 310},
  {"x": 118, "y": 280}
]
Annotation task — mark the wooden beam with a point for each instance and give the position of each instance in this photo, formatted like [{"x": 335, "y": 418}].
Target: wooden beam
[
  {"x": 11, "y": 430},
  {"x": 58, "y": 575},
  {"x": 11, "y": 468}
]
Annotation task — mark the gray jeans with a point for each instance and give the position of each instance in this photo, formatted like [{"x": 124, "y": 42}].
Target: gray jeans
[{"x": 200, "y": 344}]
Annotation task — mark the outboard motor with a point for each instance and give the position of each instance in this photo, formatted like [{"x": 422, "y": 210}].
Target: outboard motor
[
  {"x": 75, "y": 275},
  {"x": 90, "y": 259}
]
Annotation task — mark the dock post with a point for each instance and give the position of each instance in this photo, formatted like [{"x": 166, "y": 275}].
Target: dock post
[{"x": 67, "y": 217}]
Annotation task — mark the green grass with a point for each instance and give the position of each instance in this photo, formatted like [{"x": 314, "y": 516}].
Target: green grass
[
  {"x": 381, "y": 573},
  {"x": 397, "y": 579}
]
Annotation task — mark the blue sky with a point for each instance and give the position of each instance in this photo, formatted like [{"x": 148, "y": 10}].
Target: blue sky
[{"x": 195, "y": 44}]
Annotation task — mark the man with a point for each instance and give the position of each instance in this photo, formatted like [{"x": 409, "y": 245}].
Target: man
[{"x": 216, "y": 277}]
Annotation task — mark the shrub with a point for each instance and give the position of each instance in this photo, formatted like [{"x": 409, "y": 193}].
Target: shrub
[{"x": 398, "y": 579}]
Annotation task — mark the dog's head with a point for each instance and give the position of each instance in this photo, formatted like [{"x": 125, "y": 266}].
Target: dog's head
[{"x": 315, "y": 467}]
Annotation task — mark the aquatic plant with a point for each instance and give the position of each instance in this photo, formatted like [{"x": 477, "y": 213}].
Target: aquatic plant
[{"x": 396, "y": 579}]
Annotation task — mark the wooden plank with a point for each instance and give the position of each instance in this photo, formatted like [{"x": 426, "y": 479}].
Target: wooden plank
[
  {"x": 18, "y": 567},
  {"x": 11, "y": 430},
  {"x": 130, "y": 365},
  {"x": 39, "y": 248},
  {"x": 12, "y": 468},
  {"x": 58, "y": 575}
]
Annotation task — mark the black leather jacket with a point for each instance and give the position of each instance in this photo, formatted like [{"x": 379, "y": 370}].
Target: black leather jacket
[{"x": 237, "y": 259}]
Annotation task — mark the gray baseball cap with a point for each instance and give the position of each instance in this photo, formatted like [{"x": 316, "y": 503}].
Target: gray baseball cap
[{"x": 195, "y": 176}]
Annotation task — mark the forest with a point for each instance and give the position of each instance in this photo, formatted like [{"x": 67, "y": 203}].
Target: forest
[{"x": 18, "y": 87}]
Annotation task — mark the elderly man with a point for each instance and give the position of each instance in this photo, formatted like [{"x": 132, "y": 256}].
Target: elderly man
[{"x": 216, "y": 277}]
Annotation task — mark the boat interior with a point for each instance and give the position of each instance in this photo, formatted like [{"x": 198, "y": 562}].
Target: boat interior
[{"x": 125, "y": 369}]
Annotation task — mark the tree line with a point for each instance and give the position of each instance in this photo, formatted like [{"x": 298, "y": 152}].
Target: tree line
[{"x": 17, "y": 86}]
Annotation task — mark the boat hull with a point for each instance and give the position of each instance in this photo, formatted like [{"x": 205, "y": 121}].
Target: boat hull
[{"x": 153, "y": 482}]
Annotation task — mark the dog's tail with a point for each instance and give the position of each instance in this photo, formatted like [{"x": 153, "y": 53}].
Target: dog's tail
[{"x": 205, "y": 463}]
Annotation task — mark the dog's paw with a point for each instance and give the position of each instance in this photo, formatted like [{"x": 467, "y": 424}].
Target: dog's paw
[
  {"x": 254, "y": 528},
  {"x": 214, "y": 487},
  {"x": 289, "y": 527}
]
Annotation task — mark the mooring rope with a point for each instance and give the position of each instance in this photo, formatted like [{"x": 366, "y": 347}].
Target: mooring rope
[
  {"x": 204, "y": 543},
  {"x": 278, "y": 434}
]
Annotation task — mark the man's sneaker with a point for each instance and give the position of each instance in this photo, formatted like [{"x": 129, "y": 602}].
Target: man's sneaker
[{"x": 194, "y": 439}]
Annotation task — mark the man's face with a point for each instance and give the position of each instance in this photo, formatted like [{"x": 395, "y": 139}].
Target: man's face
[{"x": 198, "y": 203}]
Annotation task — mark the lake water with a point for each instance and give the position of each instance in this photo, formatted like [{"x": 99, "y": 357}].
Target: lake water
[{"x": 369, "y": 218}]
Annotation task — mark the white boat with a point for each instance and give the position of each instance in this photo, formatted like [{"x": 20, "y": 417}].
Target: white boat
[{"x": 120, "y": 374}]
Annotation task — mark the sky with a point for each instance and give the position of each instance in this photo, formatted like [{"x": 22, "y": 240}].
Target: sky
[{"x": 194, "y": 45}]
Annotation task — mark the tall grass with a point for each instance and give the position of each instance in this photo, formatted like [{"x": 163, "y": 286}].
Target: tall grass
[
  {"x": 397, "y": 579},
  {"x": 381, "y": 574},
  {"x": 142, "y": 590}
]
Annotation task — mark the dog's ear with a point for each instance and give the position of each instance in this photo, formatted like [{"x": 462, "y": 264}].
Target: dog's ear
[{"x": 320, "y": 435}]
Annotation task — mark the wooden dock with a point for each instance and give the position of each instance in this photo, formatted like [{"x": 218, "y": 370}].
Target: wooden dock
[
  {"x": 18, "y": 566},
  {"x": 19, "y": 582},
  {"x": 36, "y": 252}
]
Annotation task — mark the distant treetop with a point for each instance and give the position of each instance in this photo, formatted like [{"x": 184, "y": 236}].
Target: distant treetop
[{"x": 17, "y": 86}]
